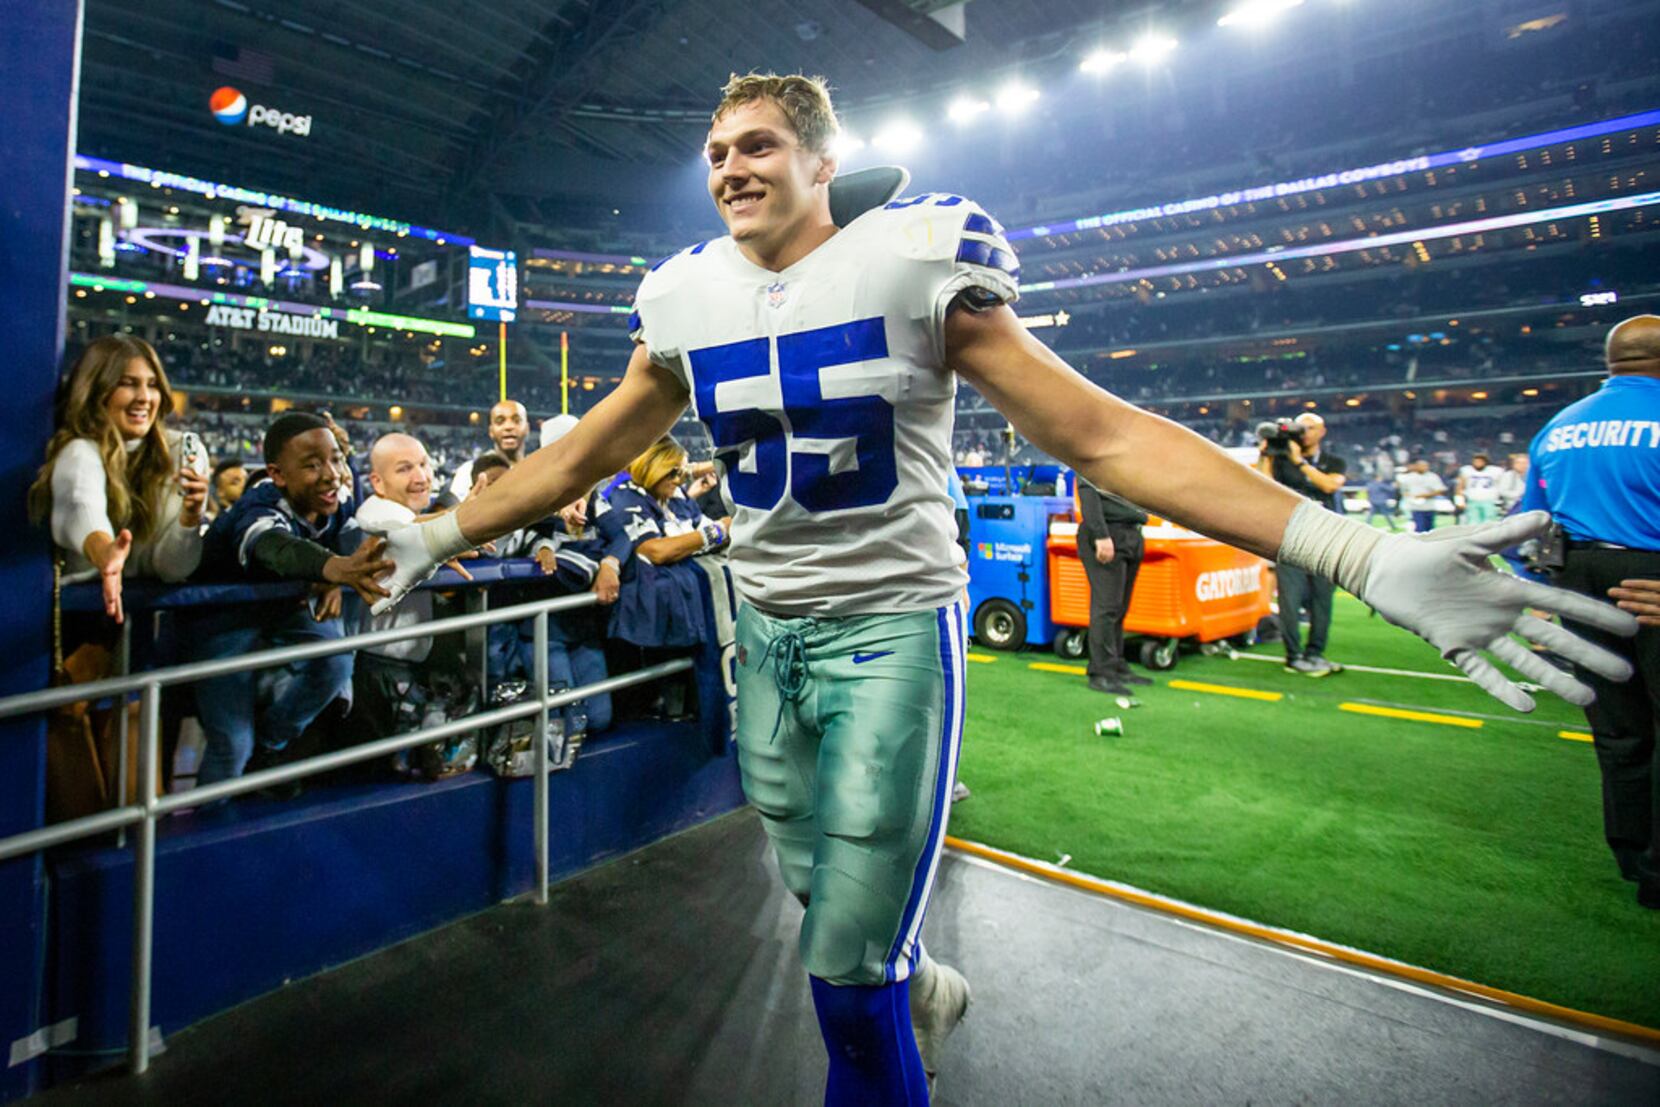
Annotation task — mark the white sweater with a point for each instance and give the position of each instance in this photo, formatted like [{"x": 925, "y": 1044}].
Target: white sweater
[{"x": 80, "y": 507}]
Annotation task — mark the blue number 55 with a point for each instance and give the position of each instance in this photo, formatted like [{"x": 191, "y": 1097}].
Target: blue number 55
[{"x": 801, "y": 356}]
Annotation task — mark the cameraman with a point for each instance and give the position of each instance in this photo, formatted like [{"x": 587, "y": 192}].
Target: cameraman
[{"x": 1290, "y": 453}]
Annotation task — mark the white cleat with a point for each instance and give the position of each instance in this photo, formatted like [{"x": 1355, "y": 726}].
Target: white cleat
[{"x": 939, "y": 999}]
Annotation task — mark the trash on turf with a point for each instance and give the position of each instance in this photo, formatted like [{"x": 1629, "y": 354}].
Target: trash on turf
[
  {"x": 1127, "y": 702},
  {"x": 1105, "y": 728}
]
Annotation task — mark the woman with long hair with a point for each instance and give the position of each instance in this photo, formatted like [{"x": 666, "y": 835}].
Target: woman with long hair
[{"x": 123, "y": 493}]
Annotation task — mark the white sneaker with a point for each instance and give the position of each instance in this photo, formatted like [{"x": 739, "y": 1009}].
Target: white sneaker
[
  {"x": 939, "y": 999},
  {"x": 959, "y": 791}
]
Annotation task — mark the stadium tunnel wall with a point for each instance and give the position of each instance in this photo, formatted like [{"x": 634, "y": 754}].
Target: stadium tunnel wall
[
  {"x": 39, "y": 54},
  {"x": 251, "y": 901}
]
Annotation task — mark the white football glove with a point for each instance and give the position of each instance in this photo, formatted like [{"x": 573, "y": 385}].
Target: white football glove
[
  {"x": 418, "y": 550},
  {"x": 1443, "y": 587}
]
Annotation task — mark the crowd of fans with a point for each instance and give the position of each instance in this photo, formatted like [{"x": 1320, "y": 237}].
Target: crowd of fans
[{"x": 233, "y": 499}]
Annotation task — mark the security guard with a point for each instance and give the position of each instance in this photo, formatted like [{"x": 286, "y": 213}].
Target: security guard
[{"x": 1596, "y": 469}]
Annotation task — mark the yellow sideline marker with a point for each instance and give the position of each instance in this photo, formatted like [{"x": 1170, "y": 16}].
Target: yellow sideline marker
[
  {"x": 1415, "y": 716},
  {"x": 984, "y": 659},
  {"x": 1307, "y": 944},
  {"x": 1227, "y": 690},
  {"x": 1051, "y": 667},
  {"x": 1573, "y": 735}
]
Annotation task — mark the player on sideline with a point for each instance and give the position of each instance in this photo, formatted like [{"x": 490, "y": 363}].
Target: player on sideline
[{"x": 824, "y": 362}]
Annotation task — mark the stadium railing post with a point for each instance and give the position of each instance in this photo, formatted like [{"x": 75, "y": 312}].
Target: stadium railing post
[
  {"x": 144, "y": 877},
  {"x": 541, "y": 646}
]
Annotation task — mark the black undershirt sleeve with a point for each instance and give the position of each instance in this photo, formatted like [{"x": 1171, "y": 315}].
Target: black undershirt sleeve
[{"x": 290, "y": 556}]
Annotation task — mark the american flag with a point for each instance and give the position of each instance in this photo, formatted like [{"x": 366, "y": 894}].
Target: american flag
[{"x": 244, "y": 65}]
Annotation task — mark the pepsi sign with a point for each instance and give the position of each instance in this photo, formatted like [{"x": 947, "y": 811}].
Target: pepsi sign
[{"x": 230, "y": 106}]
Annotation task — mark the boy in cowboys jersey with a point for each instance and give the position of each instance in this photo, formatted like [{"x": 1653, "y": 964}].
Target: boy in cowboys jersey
[{"x": 824, "y": 360}]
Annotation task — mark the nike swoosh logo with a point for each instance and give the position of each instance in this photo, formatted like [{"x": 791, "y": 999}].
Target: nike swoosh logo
[{"x": 861, "y": 658}]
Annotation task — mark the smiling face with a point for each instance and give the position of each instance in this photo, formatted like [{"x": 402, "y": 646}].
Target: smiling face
[
  {"x": 772, "y": 192},
  {"x": 308, "y": 472},
  {"x": 133, "y": 404},
  {"x": 509, "y": 426},
  {"x": 401, "y": 471}
]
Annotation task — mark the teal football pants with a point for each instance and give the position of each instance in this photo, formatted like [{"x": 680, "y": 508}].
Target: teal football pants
[{"x": 848, "y": 731}]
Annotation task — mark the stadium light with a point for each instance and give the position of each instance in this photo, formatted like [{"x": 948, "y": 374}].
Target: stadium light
[
  {"x": 1102, "y": 61},
  {"x": 846, "y": 143},
  {"x": 966, "y": 108},
  {"x": 1014, "y": 98},
  {"x": 1255, "y": 13},
  {"x": 1152, "y": 48},
  {"x": 897, "y": 136}
]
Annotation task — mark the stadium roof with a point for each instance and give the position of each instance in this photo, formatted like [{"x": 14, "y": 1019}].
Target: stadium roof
[{"x": 420, "y": 108}]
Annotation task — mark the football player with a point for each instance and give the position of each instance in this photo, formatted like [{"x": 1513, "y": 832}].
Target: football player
[{"x": 824, "y": 359}]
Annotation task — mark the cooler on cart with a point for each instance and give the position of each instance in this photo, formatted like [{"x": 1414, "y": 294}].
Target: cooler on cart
[{"x": 1189, "y": 587}]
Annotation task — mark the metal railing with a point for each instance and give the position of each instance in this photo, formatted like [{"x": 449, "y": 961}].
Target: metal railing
[{"x": 149, "y": 807}]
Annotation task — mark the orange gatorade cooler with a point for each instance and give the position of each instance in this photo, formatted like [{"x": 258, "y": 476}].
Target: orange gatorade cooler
[{"x": 1189, "y": 587}]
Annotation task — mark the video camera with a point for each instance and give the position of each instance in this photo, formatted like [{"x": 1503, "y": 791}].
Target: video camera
[{"x": 1279, "y": 434}]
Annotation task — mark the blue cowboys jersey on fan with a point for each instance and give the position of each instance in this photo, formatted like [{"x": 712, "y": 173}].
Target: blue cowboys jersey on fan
[{"x": 824, "y": 389}]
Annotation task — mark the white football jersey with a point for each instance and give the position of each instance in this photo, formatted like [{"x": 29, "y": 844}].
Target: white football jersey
[
  {"x": 1481, "y": 485},
  {"x": 825, "y": 391}
]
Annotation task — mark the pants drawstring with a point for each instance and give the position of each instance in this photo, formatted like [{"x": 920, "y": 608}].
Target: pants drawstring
[{"x": 788, "y": 654}]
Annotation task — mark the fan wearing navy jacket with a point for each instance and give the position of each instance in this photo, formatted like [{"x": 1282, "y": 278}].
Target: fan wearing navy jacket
[
  {"x": 651, "y": 526},
  {"x": 289, "y": 526}
]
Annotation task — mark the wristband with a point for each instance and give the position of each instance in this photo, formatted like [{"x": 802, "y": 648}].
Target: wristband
[
  {"x": 443, "y": 537},
  {"x": 1332, "y": 545},
  {"x": 713, "y": 535}
]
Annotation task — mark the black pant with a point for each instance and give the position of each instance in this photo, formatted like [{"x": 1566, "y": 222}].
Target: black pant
[
  {"x": 1300, "y": 588},
  {"x": 1625, "y": 719},
  {"x": 1110, "y": 588}
]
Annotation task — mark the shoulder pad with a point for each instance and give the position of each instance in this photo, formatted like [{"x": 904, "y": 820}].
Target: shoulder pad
[{"x": 662, "y": 278}]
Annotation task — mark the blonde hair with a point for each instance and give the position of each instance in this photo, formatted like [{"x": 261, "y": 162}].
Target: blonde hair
[
  {"x": 135, "y": 482},
  {"x": 805, "y": 102},
  {"x": 664, "y": 458}
]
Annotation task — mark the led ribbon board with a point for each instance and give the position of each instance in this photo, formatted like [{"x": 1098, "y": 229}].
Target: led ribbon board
[
  {"x": 1396, "y": 238},
  {"x": 215, "y": 191},
  {"x": 1381, "y": 171},
  {"x": 363, "y": 317}
]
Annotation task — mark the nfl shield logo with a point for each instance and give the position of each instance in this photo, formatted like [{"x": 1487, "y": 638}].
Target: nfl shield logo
[{"x": 775, "y": 294}]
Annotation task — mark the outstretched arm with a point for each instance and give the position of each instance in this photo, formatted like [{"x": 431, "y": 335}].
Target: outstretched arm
[
  {"x": 1148, "y": 460},
  {"x": 1441, "y": 587},
  {"x": 643, "y": 408}
]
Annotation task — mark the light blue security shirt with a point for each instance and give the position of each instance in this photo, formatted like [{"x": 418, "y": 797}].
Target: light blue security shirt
[{"x": 1596, "y": 465}]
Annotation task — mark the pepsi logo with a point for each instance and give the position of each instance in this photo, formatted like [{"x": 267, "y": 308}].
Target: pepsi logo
[{"x": 229, "y": 106}]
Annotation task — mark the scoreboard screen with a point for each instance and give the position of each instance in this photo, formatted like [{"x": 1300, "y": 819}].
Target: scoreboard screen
[{"x": 492, "y": 284}]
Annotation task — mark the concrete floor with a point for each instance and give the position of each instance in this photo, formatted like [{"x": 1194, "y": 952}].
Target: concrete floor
[{"x": 671, "y": 977}]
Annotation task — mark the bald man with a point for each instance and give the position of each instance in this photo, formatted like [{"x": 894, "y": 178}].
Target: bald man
[
  {"x": 509, "y": 431},
  {"x": 1596, "y": 469}
]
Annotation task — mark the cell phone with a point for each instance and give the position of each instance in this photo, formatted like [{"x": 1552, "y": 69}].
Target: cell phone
[{"x": 194, "y": 454}]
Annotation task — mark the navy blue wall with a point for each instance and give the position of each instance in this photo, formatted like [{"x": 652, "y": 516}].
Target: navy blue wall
[
  {"x": 39, "y": 54},
  {"x": 275, "y": 892}
]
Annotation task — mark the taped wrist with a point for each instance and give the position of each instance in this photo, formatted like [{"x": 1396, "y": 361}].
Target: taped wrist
[
  {"x": 1329, "y": 544},
  {"x": 443, "y": 537}
]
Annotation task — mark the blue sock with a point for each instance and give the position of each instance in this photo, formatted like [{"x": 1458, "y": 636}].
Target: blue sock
[{"x": 873, "y": 1057}]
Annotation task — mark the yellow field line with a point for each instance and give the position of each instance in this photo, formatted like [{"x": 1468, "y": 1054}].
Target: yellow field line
[
  {"x": 1415, "y": 716},
  {"x": 1051, "y": 667},
  {"x": 1573, "y": 736},
  {"x": 980, "y": 657},
  {"x": 1227, "y": 690},
  {"x": 1307, "y": 944}
]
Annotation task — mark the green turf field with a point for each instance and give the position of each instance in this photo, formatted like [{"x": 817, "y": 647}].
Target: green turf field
[{"x": 1475, "y": 852}]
